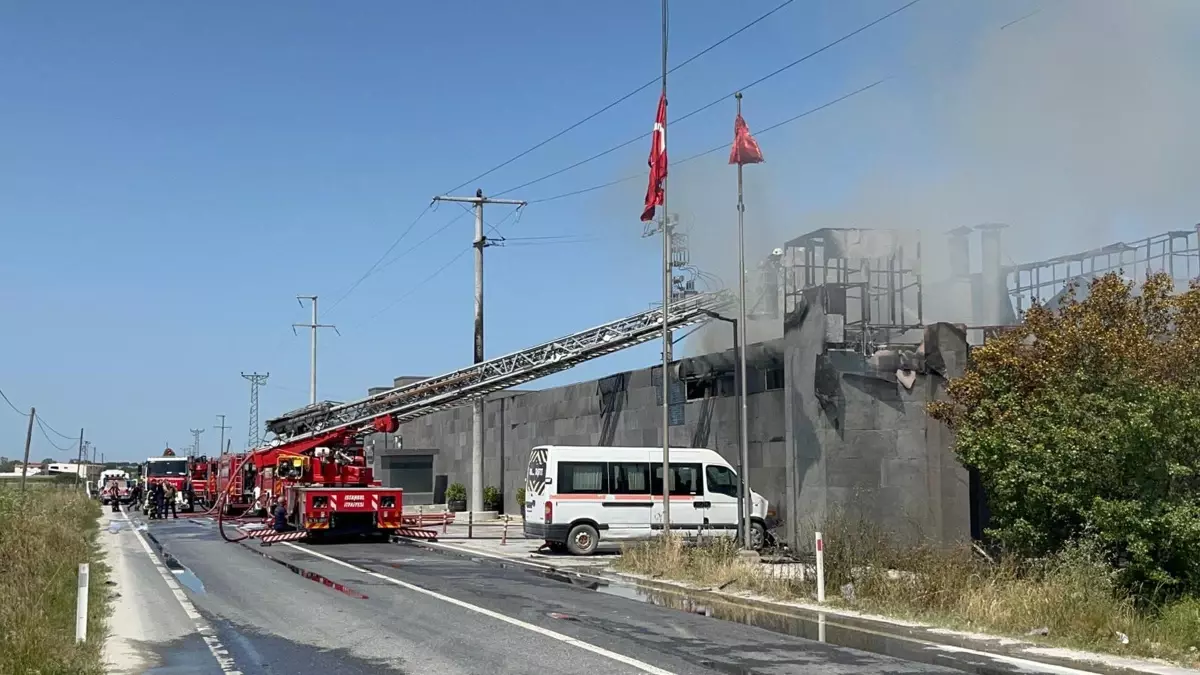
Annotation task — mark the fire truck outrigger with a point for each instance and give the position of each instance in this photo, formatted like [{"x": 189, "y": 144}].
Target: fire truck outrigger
[{"x": 316, "y": 467}]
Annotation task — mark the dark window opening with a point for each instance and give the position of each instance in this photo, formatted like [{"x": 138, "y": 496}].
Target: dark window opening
[
  {"x": 721, "y": 480},
  {"x": 685, "y": 480},
  {"x": 412, "y": 473},
  {"x": 629, "y": 478},
  {"x": 698, "y": 389},
  {"x": 773, "y": 379},
  {"x": 582, "y": 478}
]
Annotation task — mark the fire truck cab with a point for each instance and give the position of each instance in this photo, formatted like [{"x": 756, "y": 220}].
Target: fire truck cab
[{"x": 173, "y": 470}]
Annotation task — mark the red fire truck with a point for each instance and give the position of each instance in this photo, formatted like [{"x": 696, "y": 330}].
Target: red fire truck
[
  {"x": 203, "y": 481},
  {"x": 236, "y": 486},
  {"x": 174, "y": 470}
]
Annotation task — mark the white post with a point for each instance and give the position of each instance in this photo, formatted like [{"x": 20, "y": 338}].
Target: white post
[
  {"x": 81, "y": 604},
  {"x": 820, "y": 568}
]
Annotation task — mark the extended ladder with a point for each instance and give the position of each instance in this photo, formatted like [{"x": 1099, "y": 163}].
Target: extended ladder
[{"x": 452, "y": 389}]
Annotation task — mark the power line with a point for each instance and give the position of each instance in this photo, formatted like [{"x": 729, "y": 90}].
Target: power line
[
  {"x": 421, "y": 243},
  {"x": 69, "y": 438},
  {"x": 372, "y": 268},
  {"x": 42, "y": 428},
  {"x": 622, "y": 99},
  {"x": 10, "y": 404},
  {"x": 722, "y": 99},
  {"x": 722, "y": 146},
  {"x": 424, "y": 281}
]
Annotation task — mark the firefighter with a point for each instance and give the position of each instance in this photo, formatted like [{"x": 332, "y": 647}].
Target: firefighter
[
  {"x": 279, "y": 517},
  {"x": 158, "y": 494},
  {"x": 114, "y": 494},
  {"x": 169, "y": 493}
]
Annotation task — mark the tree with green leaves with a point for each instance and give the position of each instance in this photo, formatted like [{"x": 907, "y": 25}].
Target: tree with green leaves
[{"x": 1084, "y": 422}]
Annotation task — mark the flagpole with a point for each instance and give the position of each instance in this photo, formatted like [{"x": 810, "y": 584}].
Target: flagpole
[
  {"x": 744, "y": 431},
  {"x": 666, "y": 308}
]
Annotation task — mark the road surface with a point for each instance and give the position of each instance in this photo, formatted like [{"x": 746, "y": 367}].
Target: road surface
[{"x": 399, "y": 608}]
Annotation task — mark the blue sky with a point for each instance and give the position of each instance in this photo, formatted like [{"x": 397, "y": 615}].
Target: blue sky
[{"x": 173, "y": 174}]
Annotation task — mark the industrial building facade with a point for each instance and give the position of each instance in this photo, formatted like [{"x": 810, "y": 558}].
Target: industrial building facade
[{"x": 836, "y": 402}]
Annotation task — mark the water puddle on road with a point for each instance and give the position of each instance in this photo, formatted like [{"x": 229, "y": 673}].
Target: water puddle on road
[
  {"x": 908, "y": 644},
  {"x": 310, "y": 575},
  {"x": 178, "y": 569}
]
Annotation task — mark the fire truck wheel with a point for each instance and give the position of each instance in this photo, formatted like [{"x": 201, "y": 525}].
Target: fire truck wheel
[{"x": 583, "y": 540}]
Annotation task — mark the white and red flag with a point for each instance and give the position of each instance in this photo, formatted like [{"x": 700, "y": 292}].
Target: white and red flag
[
  {"x": 658, "y": 161},
  {"x": 745, "y": 149}
]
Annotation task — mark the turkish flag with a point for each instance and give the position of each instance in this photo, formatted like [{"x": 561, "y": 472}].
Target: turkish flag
[
  {"x": 745, "y": 149},
  {"x": 658, "y": 161}
]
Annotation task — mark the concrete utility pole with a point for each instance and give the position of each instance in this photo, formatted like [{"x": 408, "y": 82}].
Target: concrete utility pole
[
  {"x": 28, "y": 440},
  {"x": 477, "y": 409},
  {"x": 256, "y": 381},
  {"x": 79, "y": 458},
  {"x": 196, "y": 443},
  {"x": 222, "y": 427},
  {"x": 312, "y": 381}
]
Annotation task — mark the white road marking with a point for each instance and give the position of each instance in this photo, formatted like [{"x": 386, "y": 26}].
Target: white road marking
[
  {"x": 587, "y": 646},
  {"x": 224, "y": 660}
]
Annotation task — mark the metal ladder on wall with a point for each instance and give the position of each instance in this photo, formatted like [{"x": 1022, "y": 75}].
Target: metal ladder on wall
[{"x": 462, "y": 386}]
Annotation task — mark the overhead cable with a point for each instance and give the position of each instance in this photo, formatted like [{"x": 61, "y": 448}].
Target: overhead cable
[{"x": 716, "y": 101}]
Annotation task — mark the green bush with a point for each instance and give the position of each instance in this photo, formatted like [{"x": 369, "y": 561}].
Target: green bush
[
  {"x": 491, "y": 498},
  {"x": 521, "y": 497},
  {"x": 456, "y": 492},
  {"x": 1084, "y": 423}
]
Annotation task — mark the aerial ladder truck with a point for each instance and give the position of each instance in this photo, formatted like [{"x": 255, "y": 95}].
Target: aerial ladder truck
[{"x": 315, "y": 465}]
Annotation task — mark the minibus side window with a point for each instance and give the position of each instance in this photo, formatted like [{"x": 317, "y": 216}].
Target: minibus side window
[
  {"x": 582, "y": 478},
  {"x": 721, "y": 480},
  {"x": 685, "y": 479},
  {"x": 630, "y": 478}
]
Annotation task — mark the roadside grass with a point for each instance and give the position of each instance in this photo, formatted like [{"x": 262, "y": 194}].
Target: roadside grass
[
  {"x": 1071, "y": 600},
  {"x": 43, "y": 538}
]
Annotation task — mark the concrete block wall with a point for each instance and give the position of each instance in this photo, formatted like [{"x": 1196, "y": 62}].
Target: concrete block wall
[
  {"x": 841, "y": 435},
  {"x": 620, "y": 410},
  {"x": 861, "y": 443}
]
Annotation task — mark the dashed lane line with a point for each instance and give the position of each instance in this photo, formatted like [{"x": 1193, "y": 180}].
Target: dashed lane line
[{"x": 224, "y": 660}]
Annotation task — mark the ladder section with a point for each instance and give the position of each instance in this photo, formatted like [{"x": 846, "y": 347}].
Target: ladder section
[{"x": 452, "y": 389}]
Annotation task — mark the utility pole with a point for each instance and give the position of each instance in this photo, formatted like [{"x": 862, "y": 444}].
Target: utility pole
[
  {"x": 477, "y": 409},
  {"x": 256, "y": 381},
  {"x": 222, "y": 427},
  {"x": 79, "y": 458},
  {"x": 667, "y": 283},
  {"x": 28, "y": 440},
  {"x": 312, "y": 381},
  {"x": 196, "y": 444}
]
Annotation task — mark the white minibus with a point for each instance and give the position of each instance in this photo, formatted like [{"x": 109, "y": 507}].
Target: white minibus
[{"x": 581, "y": 498}]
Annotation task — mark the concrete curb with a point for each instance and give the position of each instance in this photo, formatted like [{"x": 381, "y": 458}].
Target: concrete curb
[{"x": 990, "y": 645}]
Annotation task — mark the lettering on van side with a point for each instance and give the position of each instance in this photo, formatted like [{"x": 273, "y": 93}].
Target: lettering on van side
[{"x": 537, "y": 470}]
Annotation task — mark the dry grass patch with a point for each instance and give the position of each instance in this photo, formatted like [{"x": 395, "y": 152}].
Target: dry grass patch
[
  {"x": 1070, "y": 600},
  {"x": 43, "y": 538}
]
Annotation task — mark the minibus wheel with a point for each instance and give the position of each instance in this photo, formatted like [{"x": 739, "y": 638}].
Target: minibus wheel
[
  {"x": 758, "y": 536},
  {"x": 583, "y": 540}
]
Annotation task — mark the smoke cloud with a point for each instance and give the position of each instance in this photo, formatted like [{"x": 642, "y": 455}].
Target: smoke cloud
[{"x": 1077, "y": 126}]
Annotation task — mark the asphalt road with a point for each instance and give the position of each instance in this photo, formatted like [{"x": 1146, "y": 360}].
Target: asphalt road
[{"x": 398, "y": 608}]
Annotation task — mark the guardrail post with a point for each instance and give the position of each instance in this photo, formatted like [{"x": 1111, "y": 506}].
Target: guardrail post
[
  {"x": 820, "y": 568},
  {"x": 81, "y": 604}
]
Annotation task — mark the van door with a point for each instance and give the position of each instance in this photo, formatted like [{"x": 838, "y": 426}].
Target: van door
[
  {"x": 628, "y": 507},
  {"x": 536, "y": 489},
  {"x": 688, "y": 506},
  {"x": 721, "y": 485}
]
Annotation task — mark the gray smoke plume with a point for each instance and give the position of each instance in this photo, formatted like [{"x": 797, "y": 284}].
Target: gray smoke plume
[{"x": 1078, "y": 126}]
